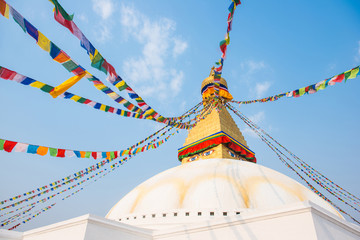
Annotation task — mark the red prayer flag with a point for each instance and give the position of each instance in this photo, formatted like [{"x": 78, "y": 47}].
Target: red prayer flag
[
  {"x": 9, "y": 145},
  {"x": 7, "y": 74},
  {"x": 338, "y": 78},
  {"x": 61, "y": 153}
]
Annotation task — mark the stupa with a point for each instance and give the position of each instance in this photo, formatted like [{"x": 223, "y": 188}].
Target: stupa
[{"x": 217, "y": 192}]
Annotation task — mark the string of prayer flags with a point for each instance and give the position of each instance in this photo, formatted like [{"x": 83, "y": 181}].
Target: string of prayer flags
[
  {"x": 69, "y": 179},
  {"x": 223, "y": 47},
  {"x": 100, "y": 63},
  {"x": 61, "y": 57},
  {"x": 10, "y": 145},
  {"x": 32, "y": 205},
  {"x": 350, "y": 74},
  {"x": 313, "y": 175},
  {"x": 64, "y": 59},
  {"x": 13, "y": 146},
  {"x": 53, "y": 185},
  {"x": 8, "y": 74}
]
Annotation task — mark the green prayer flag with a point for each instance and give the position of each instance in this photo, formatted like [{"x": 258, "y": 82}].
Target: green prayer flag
[
  {"x": 47, "y": 88},
  {"x": 97, "y": 61},
  {"x": 59, "y": 8},
  {"x": 81, "y": 100},
  {"x": 2, "y": 141},
  {"x": 70, "y": 65},
  {"x": 53, "y": 151}
]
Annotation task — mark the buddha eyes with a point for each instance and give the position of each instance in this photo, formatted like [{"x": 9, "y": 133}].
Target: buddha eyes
[
  {"x": 202, "y": 154},
  {"x": 232, "y": 154},
  {"x": 208, "y": 153},
  {"x": 193, "y": 158}
]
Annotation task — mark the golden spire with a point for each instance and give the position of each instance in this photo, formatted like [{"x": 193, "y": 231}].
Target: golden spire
[{"x": 216, "y": 136}]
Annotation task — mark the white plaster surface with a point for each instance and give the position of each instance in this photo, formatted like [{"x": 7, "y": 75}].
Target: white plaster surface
[
  {"x": 297, "y": 221},
  {"x": 220, "y": 185}
]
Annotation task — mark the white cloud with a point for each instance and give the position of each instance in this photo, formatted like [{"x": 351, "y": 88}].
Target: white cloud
[
  {"x": 179, "y": 48},
  {"x": 151, "y": 73},
  {"x": 104, "y": 33},
  {"x": 247, "y": 132},
  {"x": 252, "y": 70},
  {"x": 252, "y": 67},
  {"x": 257, "y": 119},
  {"x": 103, "y": 8},
  {"x": 176, "y": 81},
  {"x": 103, "y": 29},
  {"x": 261, "y": 88}
]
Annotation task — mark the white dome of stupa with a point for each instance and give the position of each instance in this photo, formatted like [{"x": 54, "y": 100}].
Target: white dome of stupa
[{"x": 209, "y": 188}]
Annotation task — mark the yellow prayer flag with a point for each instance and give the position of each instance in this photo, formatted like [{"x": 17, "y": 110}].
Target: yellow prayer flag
[
  {"x": 354, "y": 73},
  {"x": 66, "y": 85},
  {"x": 75, "y": 98},
  {"x": 120, "y": 84},
  {"x": 227, "y": 39},
  {"x": 43, "y": 42},
  {"x": 301, "y": 91},
  {"x": 37, "y": 84},
  {"x": 92, "y": 56},
  {"x": 102, "y": 107},
  {"x": 320, "y": 85},
  {"x": 100, "y": 86}
]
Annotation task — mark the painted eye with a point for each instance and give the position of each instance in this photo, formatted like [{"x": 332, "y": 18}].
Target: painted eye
[
  {"x": 208, "y": 153},
  {"x": 232, "y": 154},
  {"x": 192, "y": 159}
]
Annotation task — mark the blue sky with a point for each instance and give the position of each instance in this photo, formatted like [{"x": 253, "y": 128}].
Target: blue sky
[{"x": 164, "y": 49}]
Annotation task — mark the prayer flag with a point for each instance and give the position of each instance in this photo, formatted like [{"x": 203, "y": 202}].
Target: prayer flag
[
  {"x": 62, "y": 17},
  {"x": 353, "y": 73},
  {"x": 60, "y": 153},
  {"x": 43, "y": 42},
  {"x": 66, "y": 85},
  {"x": 42, "y": 150},
  {"x": 18, "y": 18},
  {"x": 32, "y": 149},
  {"x": 53, "y": 152},
  {"x": 32, "y": 31},
  {"x": 9, "y": 145},
  {"x": 21, "y": 147},
  {"x": 61, "y": 57},
  {"x": 4, "y": 9}
]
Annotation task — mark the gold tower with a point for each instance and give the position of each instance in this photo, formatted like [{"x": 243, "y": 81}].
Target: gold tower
[{"x": 216, "y": 136}]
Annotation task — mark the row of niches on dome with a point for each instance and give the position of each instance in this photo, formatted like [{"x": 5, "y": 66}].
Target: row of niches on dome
[{"x": 179, "y": 213}]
